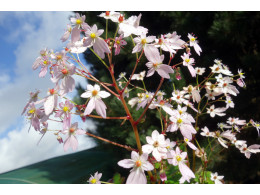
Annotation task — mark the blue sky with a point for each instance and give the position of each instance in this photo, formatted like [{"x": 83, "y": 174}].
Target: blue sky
[{"x": 23, "y": 35}]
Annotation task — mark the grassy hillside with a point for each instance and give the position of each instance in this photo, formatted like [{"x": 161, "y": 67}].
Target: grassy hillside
[{"x": 72, "y": 168}]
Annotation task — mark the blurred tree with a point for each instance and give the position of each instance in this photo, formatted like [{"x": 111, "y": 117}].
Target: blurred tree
[{"x": 232, "y": 37}]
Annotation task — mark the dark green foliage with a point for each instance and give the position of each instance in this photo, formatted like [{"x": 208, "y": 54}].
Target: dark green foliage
[{"x": 232, "y": 37}]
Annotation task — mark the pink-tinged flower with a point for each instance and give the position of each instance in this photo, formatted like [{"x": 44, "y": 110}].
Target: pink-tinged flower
[
  {"x": 146, "y": 98},
  {"x": 170, "y": 43},
  {"x": 77, "y": 47},
  {"x": 178, "y": 158},
  {"x": 216, "y": 178},
  {"x": 255, "y": 148},
  {"x": 60, "y": 140},
  {"x": 156, "y": 145},
  {"x": 141, "y": 42},
  {"x": 163, "y": 176},
  {"x": 191, "y": 145},
  {"x": 121, "y": 75},
  {"x": 161, "y": 103},
  {"x": 131, "y": 26},
  {"x": 236, "y": 121},
  {"x": 156, "y": 63},
  {"x": 78, "y": 22},
  {"x": 67, "y": 33},
  {"x": 189, "y": 62},
  {"x": 71, "y": 140},
  {"x": 51, "y": 100},
  {"x": 229, "y": 102},
  {"x": 139, "y": 76},
  {"x": 60, "y": 57},
  {"x": 95, "y": 101},
  {"x": 256, "y": 125},
  {"x": 64, "y": 73},
  {"x": 139, "y": 165},
  {"x": 95, "y": 179},
  {"x": 178, "y": 96},
  {"x": 65, "y": 110},
  {"x": 110, "y": 15},
  {"x": 240, "y": 80},
  {"x": 194, "y": 93},
  {"x": 226, "y": 134},
  {"x": 119, "y": 42},
  {"x": 205, "y": 132},
  {"x": 194, "y": 43},
  {"x": 226, "y": 87},
  {"x": 33, "y": 98},
  {"x": 92, "y": 38},
  {"x": 199, "y": 70},
  {"x": 216, "y": 111},
  {"x": 182, "y": 122},
  {"x": 34, "y": 115},
  {"x": 238, "y": 143},
  {"x": 38, "y": 61},
  {"x": 45, "y": 62}
]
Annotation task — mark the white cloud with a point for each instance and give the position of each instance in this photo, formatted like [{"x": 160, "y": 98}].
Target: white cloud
[
  {"x": 33, "y": 32},
  {"x": 20, "y": 148}
]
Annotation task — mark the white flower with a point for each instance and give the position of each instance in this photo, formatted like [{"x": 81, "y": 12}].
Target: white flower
[
  {"x": 194, "y": 43},
  {"x": 139, "y": 76},
  {"x": 141, "y": 42},
  {"x": 95, "y": 179},
  {"x": 206, "y": 132},
  {"x": 92, "y": 38},
  {"x": 156, "y": 145},
  {"x": 139, "y": 165},
  {"x": 95, "y": 101},
  {"x": 178, "y": 158},
  {"x": 214, "y": 177},
  {"x": 216, "y": 111},
  {"x": 199, "y": 71},
  {"x": 255, "y": 148}
]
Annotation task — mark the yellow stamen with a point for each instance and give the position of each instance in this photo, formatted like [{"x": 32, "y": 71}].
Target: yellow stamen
[
  {"x": 192, "y": 39},
  {"x": 92, "y": 35},
  {"x": 178, "y": 158},
  {"x": 94, "y": 92},
  {"x": 78, "y": 21},
  {"x": 138, "y": 163},
  {"x": 143, "y": 41},
  {"x": 147, "y": 96},
  {"x": 65, "y": 108},
  {"x": 187, "y": 60},
  {"x": 179, "y": 120},
  {"x": 93, "y": 181},
  {"x": 118, "y": 42},
  {"x": 32, "y": 111}
]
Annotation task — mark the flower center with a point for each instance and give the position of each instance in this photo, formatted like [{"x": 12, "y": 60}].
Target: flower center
[
  {"x": 155, "y": 65},
  {"x": 32, "y": 111},
  {"x": 160, "y": 41},
  {"x": 178, "y": 97},
  {"x": 192, "y": 39},
  {"x": 178, "y": 158},
  {"x": 225, "y": 84},
  {"x": 64, "y": 71},
  {"x": 147, "y": 96},
  {"x": 143, "y": 41},
  {"x": 156, "y": 144},
  {"x": 94, "y": 92},
  {"x": 51, "y": 91},
  {"x": 187, "y": 60},
  {"x": 215, "y": 177},
  {"x": 45, "y": 62},
  {"x": 78, "y": 21},
  {"x": 58, "y": 57},
  {"x": 186, "y": 139},
  {"x": 65, "y": 108},
  {"x": 138, "y": 163},
  {"x": 72, "y": 130},
  {"x": 162, "y": 102},
  {"x": 92, "y": 35},
  {"x": 179, "y": 120},
  {"x": 117, "y": 42},
  {"x": 107, "y": 13},
  {"x": 93, "y": 181}
]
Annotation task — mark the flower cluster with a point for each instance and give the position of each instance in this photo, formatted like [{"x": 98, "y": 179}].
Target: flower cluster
[{"x": 208, "y": 95}]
